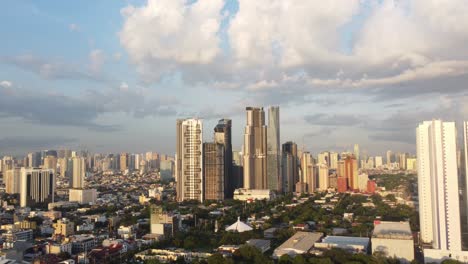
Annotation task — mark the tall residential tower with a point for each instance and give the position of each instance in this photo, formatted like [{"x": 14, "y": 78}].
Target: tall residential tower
[
  {"x": 189, "y": 160},
  {"x": 439, "y": 211}
]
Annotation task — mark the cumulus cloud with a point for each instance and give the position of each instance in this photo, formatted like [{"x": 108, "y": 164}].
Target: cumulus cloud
[
  {"x": 282, "y": 44},
  {"x": 165, "y": 33}
]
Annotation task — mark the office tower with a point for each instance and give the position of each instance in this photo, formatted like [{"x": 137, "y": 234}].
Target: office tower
[
  {"x": 8, "y": 163},
  {"x": 79, "y": 170},
  {"x": 307, "y": 175},
  {"x": 123, "y": 161},
  {"x": 255, "y": 150},
  {"x": 324, "y": 158},
  {"x": 390, "y": 157},
  {"x": 402, "y": 160},
  {"x": 438, "y": 185},
  {"x": 357, "y": 154},
  {"x": 378, "y": 162},
  {"x": 50, "y": 162},
  {"x": 290, "y": 173},
  {"x": 132, "y": 162},
  {"x": 323, "y": 177},
  {"x": 351, "y": 172},
  {"x": 189, "y": 160},
  {"x": 273, "y": 149},
  {"x": 37, "y": 186},
  {"x": 341, "y": 168},
  {"x": 213, "y": 171},
  {"x": 334, "y": 160},
  {"x": 12, "y": 180},
  {"x": 222, "y": 135}
]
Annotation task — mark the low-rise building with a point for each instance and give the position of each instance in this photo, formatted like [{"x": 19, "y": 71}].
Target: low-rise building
[
  {"x": 261, "y": 244},
  {"x": 64, "y": 227},
  {"x": 351, "y": 244},
  {"x": 299, "y": 243},
  {"x": 166, "y": 255},
  {"x": 83, "y": 196},
  {"x": 393, "y": 239},
  {"x": 253, "y": 194}
]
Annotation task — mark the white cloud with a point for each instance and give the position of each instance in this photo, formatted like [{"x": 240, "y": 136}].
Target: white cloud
[
  {"x": 288, "y": 33},
  {"x": 299, "y": 46},
  {"x": 165, "y": 33},
  {"x": 6, "y": 84}
]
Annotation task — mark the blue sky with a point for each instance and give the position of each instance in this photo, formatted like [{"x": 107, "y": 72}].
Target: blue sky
[{"x": 114, "y": 76}]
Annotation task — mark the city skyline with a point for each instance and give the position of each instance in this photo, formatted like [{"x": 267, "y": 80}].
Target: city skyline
[{"x": 86, "y": 79}]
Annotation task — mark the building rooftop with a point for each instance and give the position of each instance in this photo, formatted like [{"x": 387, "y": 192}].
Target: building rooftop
[
  {"x": 392, "y": 230},
  {"x": 299, "y": 243},
  {"x": 342, "y": 241}
]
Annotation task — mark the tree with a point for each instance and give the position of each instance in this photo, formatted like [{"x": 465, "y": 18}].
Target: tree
[
  {"x": 216, "y": 259},
  {"x": 285, "y": 259}
]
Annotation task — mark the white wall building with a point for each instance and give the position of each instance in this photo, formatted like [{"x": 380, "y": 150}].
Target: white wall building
[
  {"x": 438, "y": 185},
  {"x": 83, "y": 196},
  {"x": 393, "y": 239},
  {"x": 189, "y": 160}
]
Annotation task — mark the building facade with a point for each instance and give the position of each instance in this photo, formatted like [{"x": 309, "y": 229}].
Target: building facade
[
  {"x": 222, "y": 135},
  {"x": 255, "y": 150},
  {"x": 439, "y": 209},
  {"x": 189, "y": 160},
  {"x": 37, "y": 186},
  {"x": 213, "y": 167},
  {"x": 290, "y": 170},
  {"x": 273, "y": 149}
]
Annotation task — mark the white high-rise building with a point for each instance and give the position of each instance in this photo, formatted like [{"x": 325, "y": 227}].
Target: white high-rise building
[
  {"x": 439, "y": 210},
  {"x": 189, "y": 160},
  {"x": 378, "y": 162},
  {"x": 357, "y": 154},
  {"x": 79, "y": 170}
]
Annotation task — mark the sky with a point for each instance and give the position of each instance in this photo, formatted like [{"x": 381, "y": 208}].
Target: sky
[{"x": 113, "y": 76}]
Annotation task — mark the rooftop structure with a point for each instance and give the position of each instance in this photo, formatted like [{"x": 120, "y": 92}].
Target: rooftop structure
[
  {"x": 299, "y": 243},
  {"x": 353, "y": 244},
  {"x": 239, "y": 226}
]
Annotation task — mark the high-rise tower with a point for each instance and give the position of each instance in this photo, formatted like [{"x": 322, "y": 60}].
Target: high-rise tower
[
  {"x": 189, "y": 160},
  {"x": 439, "y": 211},
  {"x": 222, "y": 135},
  {"x": 290, "y": 174},
  {"x": 273, "y": 149},
  {"x": 255, "y": 150}
]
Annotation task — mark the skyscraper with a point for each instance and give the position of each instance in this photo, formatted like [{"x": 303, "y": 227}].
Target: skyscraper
[
  {"x": 464, "y": 173},
  {"x": 189, "y": 160},
  {"x": 79, "y": 170},
  {"x": 351, "y": 172},
  {"x": 438, "y": 185},
  {"x": 323, "y": 177},
  {"x": 307, "y": 167},
  {"x": 222, "y": 135},
  {"x": 255, "y": 150},
  {"x": 123, "y": 161},
  {"x": 50, "y": 162},
  {"x": 37, "y": 186},
  {"x": 357, "y": 155},
  {"x": 333, "y": 160},
  {"x": 290, "y": 173},
  {"x": 12, "y": 180},
  {"x": 213, "y": 167},
  {"x": 390, "y": 157},
  {"x": 273, "y": 149}
]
